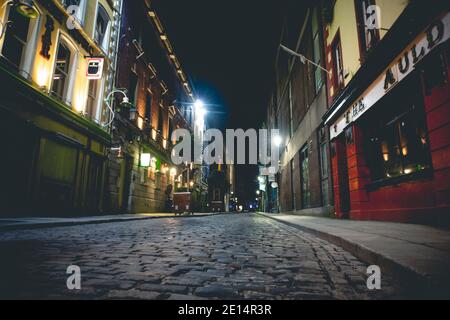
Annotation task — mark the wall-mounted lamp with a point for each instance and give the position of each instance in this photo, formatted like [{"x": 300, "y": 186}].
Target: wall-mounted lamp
[{"x": 124, "y": 104}]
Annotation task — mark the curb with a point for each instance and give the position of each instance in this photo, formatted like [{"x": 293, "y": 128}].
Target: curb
[
  {"x": 418, "y": 285},
  {"x": 46, "y": 225}
]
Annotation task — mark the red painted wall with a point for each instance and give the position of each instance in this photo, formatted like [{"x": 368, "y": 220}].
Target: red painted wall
[{"x": 424, "y": 200}]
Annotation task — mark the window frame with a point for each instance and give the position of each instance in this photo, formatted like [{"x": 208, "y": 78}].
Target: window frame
[
  {"x": 69, "y": 86},
  {"x": 25, "y": 68},
  {"x": 338, "y": 85},
  {"x": 104, "y": 46}
]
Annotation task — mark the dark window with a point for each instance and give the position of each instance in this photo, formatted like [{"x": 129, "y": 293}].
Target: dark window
[
  {"x": 148, "y": 107},
  {"x": 62, "y": 67},
  {"x": 305, "y": 183},
  {"x": 397, "y": 140},
  {"x": 338, "y": 67},
  {"x": 160, "y": 119},
  {"x": 317, "y": 49},
  {"x": 368, "y": 36},
  {"x": 170, "y": 128},
  {"x": 132, "y": 90},
  {"x": 324, "y": 166},
  {"x": 102, "y": 26},
  {"x": 15, "y": 37}
]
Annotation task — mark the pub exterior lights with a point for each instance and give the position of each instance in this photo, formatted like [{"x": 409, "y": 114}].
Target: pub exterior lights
[
  {"x": 173, "y": 172},
  {"x": 124, "y": 104},
  {"x": 163, "y": 37},
  {"x": 145, "y": 160}
]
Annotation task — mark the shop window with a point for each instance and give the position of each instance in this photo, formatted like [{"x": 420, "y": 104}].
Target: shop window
[
  {"x": 102, "y": 28},
  {"x": 338, "y": 67},
  {"x": 368, "y": 37},
  {"x": 62, "y": 76},
  {"x": 397, "y": 141},
  {"x": 19, "y": 40},
  {"x": 434, "y": 72}
]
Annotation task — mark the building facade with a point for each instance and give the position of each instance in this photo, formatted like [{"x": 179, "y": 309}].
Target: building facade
[
  {"x": 299, "y": 100},
  {"x": 389, "y": 109},
  {"x": 142, "y": 177},
  {"x": 56, "y": 64}
]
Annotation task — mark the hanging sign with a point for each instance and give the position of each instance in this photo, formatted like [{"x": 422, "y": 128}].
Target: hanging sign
[{"x": 95, "y": 68}]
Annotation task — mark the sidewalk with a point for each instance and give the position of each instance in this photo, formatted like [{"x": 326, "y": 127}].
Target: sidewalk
[
  {"x": 9, "y": 224},
  {"x": 416, "y": 255}
]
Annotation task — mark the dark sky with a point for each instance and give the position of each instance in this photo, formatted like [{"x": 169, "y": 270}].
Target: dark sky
[{"x": 227, "y": 48}]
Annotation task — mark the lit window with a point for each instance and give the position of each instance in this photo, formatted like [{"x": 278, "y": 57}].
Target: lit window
[
  {"x": 61, "y": 76},
  {"x": 102, "y": 28},
  {"x": 397, "y": 140}
]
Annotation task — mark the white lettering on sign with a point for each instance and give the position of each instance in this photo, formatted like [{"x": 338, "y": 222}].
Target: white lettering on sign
[{"x": 438, "y": 32}]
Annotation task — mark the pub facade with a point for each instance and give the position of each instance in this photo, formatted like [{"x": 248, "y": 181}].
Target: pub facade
[{"x": 390, "y": 124}]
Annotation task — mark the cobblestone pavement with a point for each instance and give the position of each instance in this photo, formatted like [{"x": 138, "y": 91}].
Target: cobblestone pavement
[{"x": 225, "y": 256}]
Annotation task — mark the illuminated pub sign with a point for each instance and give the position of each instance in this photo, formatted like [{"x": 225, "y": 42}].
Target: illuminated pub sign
[
  {"x": 95, "y": 68},
  {"x": 438, "y": 32}
]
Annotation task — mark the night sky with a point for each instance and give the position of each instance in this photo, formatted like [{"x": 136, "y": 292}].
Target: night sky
[{"x": 228, "y": 49}]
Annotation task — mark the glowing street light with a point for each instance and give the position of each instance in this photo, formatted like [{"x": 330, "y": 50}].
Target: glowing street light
[{"x": 277, "y": 140}]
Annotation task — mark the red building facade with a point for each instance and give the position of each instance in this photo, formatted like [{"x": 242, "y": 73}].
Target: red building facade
[{"x": 390, "y": 126}]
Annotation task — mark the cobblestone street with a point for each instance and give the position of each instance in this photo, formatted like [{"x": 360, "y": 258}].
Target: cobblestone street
[{"x": 224, "y": 256}]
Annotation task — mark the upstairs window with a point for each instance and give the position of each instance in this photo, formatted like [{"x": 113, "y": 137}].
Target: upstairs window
[
  {"x": 102, "y": 28},
  {"x": 61, "y": 75},
  {"x": 317, "y": 50},
  {"x": 19, "y": 36},
  {"x": 368, "y": 37},
  {"x": 338, "y": 67}
]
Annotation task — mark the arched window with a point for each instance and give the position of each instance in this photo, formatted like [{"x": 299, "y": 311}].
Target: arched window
[{"x": 64, "y": 70}]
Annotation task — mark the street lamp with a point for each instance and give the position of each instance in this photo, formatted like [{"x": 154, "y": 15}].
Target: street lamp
[
  {"x": 277, "y": 140},
  {"x": 124, "y": 104}
]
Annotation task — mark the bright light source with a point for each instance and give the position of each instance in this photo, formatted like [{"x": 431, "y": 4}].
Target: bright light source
[
  {"x": 145, "y": 160},
  {"x": 163, "y": 37},
  {"x": 258, "y": 192},
  {"x": 198, "y": 104},
  {"x": 277, "y": 140},
  {"x": 173, "y": 172}
]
